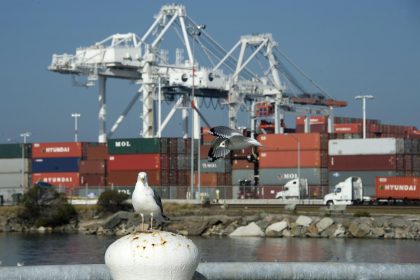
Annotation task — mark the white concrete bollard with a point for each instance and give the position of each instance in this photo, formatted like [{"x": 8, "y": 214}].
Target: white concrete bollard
[{"x": 152, "y": 255}]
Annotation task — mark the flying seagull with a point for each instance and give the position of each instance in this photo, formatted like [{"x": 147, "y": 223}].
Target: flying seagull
[
  {"x": 146, "y": 201},
  {"x": 227, "y": 140}
]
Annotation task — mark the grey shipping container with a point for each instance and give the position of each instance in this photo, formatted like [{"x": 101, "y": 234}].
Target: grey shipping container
[
  {"x": 13, "y": 180},
  {"x": 218, "y": 166},
  {"x": 15, "y": 165},
  {"x": 368, "y": 178},
  {"x": 241, "y": 174},
  {"x": 280, "y": 176}
]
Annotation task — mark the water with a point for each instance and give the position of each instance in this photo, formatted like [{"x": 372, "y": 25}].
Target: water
[{"x": 38, "y": 249}]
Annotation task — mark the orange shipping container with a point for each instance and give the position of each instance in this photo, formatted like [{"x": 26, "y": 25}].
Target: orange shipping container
[
  {"x": 57, "y": 150},
  {"x": 287, "y": 142},
  {"x": 242, "y": 164},
  {"x": 206, "y": 179},
  {"x": 398, "y": 188},
  {"x": 134, "y": 162},
  {"x": 64, "y": 179},
  {"x": 286, "y": 159}
]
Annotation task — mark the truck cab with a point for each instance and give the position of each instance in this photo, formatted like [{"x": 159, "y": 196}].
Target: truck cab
[
  {"x": 294, "y": 190},
  {"x": 348, "y": 192}
]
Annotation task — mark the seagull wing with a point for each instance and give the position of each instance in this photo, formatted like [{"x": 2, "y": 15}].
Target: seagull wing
[
  {"x": 158, "y": 200},
  {"x": 216, "y": 151},
  {"x": 223, "y": 132},
  {"x": 238, "y": 142}
]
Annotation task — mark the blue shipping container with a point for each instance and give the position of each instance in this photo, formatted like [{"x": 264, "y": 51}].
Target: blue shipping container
[{"x": 41, "y": 165}]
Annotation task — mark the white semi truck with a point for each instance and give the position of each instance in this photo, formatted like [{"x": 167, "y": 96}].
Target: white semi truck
[
  {"x": 294, "y": 190},
  {"x": 348, "y": 192}
]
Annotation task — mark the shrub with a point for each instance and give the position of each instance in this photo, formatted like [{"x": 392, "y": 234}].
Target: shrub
[
  {"x": 361, "y": 214},
  {"x": 44, "y": 206},
  {"x": 112, "y": 201}
]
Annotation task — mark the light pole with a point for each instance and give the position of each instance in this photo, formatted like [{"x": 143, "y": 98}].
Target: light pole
[
  {"x": 364, "y": 97},
  {"x": 24, "y": 135},
  {"x": 194, "y": 32},
  {"x": 75, "y": 116}
]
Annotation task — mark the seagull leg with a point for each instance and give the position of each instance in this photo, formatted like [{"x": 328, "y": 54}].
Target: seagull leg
[
  {"x": 142, "y": 221},
  {"x": 151, "y": 220}
]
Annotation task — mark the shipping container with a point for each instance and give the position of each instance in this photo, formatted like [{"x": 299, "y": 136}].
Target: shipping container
[
  {"x": 348, "y": 128},
  {"x": 134, "y": 162},
  {"x": 126, "y": 146},
  {"x": 286, "y": 159},
  {"x": 366, "y": 163},
  {"x": 398, "y": 188},
  {"x": 368, "y": 178},
  {"x": 96, "y": 151},
  {"x": 280, "y": 176},
  {"x": 300, "y": 120},
  {"x": 57, "y": 150},
  {"x": 129, "y": 178},
  {"x": 15, "y": 150},
  {"x": 92, "y": 166},
  {"x": 371, "y": 146},
  {"x": 242, "y": 174},
  {"x": 92, "y": 180},
  {"x": 318, "y": 128},
  {"x": 242, "y": 164},
  {"x": 218, "y": 166},
  {"x": 206, "y": 179},
  {"x": 289, "y": 142},
  {"x": 46, "y": 165},
  {"x": 65, "y": 179},
  {"x": 13, "y": 180},
  {"x": 15, "y": 165}
]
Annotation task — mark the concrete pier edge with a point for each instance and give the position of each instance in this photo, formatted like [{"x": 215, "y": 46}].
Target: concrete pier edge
[{"x": 231, "y": 271}]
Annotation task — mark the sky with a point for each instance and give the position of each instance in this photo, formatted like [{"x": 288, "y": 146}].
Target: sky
[{"x": 349, "y": 47}]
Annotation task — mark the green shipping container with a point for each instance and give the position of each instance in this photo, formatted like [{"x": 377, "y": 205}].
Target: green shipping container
[
  {"x": 14, "y": 150},
  {"x": 135, "y": 146}
]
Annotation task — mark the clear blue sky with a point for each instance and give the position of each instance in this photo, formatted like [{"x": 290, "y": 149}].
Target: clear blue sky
[{"x": 349, "y": 47}]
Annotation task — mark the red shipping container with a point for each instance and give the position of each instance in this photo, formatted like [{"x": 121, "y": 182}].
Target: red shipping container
[
  {"x": 134, "y": 162},
  {"x": 96, "y": 151},
  {"x": 204, "y": 151},
  {"x": 319, "y": 128},
  {"x": 242, "y": 164},
  {"x": 70, "y": 179},
  {"x": 92, "y": 166},
  {"x": 397, "y": 187},
  {"x": 206, "y": 179},
  {"x": 366, "y": 163},
  {"x": 312, "y": 120},
  {"x": 129, "y": 178},
  {"x": 207, "y": 139},
  {"x": 95, "y": 180},
  {"x": 347, "y": 128},
  {"x": 57, "y": 150},
  {"x": 287, "y": 159},
  {"x": 289, "y": 142}
]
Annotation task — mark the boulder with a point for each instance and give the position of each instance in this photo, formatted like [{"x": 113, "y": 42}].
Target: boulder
[
  {"x": 274, "y": 230},
  {"x": 377, "y": 232},
  {"x": 324, "y": 223},
  {"x": 312, "y": 231},
  {"x": 359, "y": 229},
  {"x": 380, "y": 221},
  {"x": 399, "y": 223},
  {"x": 340, "y": 231},
  {"x": 251, "y": 229},
  {"x": 304, "y": 221}
]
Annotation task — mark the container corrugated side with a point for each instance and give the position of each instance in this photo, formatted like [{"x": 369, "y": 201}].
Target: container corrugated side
[
  {"x": 57, "y": 150},
  {"x": 280, "y": 176},
  {"x": 219, "y": 166},
  {"x": 289, "y": 142},
  {"x": 134, "y": 162},
  {"x": 65, "y": 179},
  {"x": 96, "y": 151},
  {"x": 287, "y": 159},
  {"x": 126, "y": 146},
  {"x": 13, "y": 180},
  {"x": 92, "y": 166},
  {"x": 398, "y": 187},
  {"x": 45, "y": 165},
  {"x": 129, "y": 178},
  {"x": 242, "y": 164},
  {"x": 14, "y": 151},
  {"x": 92, "y": 180},
  {"x": 15, "y": 165},
  {"x": 369, "y": 146},
  {"x": 366, "y": 162}
]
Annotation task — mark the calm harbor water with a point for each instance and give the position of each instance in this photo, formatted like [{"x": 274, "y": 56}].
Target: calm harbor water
[{"x": 37, "y": 249}]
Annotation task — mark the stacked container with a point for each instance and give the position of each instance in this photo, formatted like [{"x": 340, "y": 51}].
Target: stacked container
[
  {"x": 366, "y": 158},
  {"x": 282, "y": 154},
  {"x": 15, "y": 168}
]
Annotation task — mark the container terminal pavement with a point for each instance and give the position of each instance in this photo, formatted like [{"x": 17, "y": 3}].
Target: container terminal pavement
[{"x": 232, "y": 270}]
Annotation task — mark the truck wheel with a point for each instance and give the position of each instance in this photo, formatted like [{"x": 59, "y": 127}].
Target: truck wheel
[{"x": 330, "y": 202}]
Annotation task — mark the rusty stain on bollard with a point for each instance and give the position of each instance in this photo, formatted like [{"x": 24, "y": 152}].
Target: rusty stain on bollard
[{"x": 152, "y": 255}]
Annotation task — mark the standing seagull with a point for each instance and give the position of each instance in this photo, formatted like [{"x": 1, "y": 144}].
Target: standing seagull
[
  {"x": 228, "y": 139},
  {"x": 146, "y": 201}
]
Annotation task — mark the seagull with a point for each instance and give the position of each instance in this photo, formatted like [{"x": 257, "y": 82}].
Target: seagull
[
  {"x": 146, "y": 201},
  {"x": 228, "y": 139}
]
